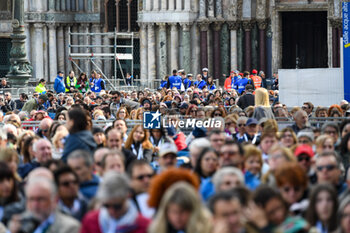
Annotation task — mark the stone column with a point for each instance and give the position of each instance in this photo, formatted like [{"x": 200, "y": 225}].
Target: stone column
[
  {"x": 196, "y": 51},
  {"x": 28, "y": 41},
  {"x": 60, "y": 48},
  {"x": 171, "y": 5},
  {"x": 219, "y": 9},
  {"x": 155, "y": 5},
  {"x": 204, "y": 26},
  {"x": 162, "y": 50},
  {"x": 225, "y": 50},
  {"x": 84, "y": 40},
  {"x": 247, "y": 26},
  {"x": 38, "y": 56},
  {"x": 63, "y": 5},
  {"x": 217, "y": 56},
  {"x": 143, "y": 54},
  {"x": 233, "y": 26},
  {"x": 52, "y": 5},
  {"x": 240, "y": 45},
  {"x": 151, "y": 55},
  {"x": 202, "y": 9},
  {"x": 58, "y": 5},
  {"x": 107, "y": 64},
  {"x": 52, "y": 52},
  {"x": 174, "y": 48},
  {"x": 89, "y": 6},
  {"x": 164, "y": 5},
  {"x": 67, "y": 40},
  {"x": 68, "y": 5},
  {"x": 96, "y": 40},
  {"x": 187, "y": 5},
  {"x": 262, "y": 44},
  {"x": 178, "y": 5},
  {"x": 186, "y": 41},
  {"x": 148, "y": 5},
  {"x": 268, "y": 72},
  {"x": 76, "y": 40},
  {"x": 339, "y": 35},
  {"x": 45, "y": 51}
]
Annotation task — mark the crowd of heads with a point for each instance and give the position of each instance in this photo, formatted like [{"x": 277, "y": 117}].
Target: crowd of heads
[{"x": 84, "y": 162}]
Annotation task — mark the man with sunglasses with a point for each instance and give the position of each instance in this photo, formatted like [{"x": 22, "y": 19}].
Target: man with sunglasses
[
  {"x": 70, "y": 201},
  {"x": 328, "y": 170},
  {"x": 118, "y": 213},
  {"x": 141, "y": 173}
]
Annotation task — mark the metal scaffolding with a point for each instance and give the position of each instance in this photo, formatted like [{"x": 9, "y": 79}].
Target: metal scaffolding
[{"x": 115, "y": 56}]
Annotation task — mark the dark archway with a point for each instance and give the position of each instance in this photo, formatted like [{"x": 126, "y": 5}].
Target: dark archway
[{"x": 304, "y": 40}]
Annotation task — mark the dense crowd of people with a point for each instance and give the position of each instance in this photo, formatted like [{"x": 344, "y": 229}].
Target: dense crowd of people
[{"x": 78, "y": 159}]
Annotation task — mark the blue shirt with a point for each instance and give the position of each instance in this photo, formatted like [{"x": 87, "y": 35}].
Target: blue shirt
[
  {"x": 59, "y": 85},
  {"x": 241, "y": 83},
  {"x": 187, "y": 83},
  {"x": 46, "y": 224},
  {"x": 175, "y": 81},
  {"x": 200, "y": 84},
  {"x": 234, "y": 82}
]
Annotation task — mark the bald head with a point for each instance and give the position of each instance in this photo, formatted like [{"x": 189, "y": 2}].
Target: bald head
[
  {"x": 301, "y": 119},
  {"x": 41, "y": 172}
]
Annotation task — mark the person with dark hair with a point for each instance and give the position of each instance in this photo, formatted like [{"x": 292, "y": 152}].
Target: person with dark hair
[
  {"x": 344, "y": 150},
  {"x": 80, "y": 136},
  {"x": 83, "y": 83},
  {"x": 81, "y": 163},
  {"x": 10, "y": 197},
  {"x": 21, "y": 101},
  {"x": 322, "y": 211},
  {"x": 70, "y": 201},
  {"x": 141, "y": 173},
  {"x": 271, "y": 213},
  {"x": 207, "y": 163}
]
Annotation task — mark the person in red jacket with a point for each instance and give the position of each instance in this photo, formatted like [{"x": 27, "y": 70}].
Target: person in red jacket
[
  {"x": 118, "y": 213},
  {"x": 228, "y": 81}
]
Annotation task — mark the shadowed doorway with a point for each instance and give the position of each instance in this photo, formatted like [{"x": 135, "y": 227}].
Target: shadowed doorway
[{"x": 304, "y": 40}]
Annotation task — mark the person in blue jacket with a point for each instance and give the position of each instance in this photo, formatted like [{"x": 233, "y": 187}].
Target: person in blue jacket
[
  {"x": 188, "y": 81},
  {"x": 59, "y": 83},
  {"x": 80, "y": 136},
  {"x": 210, "y": 83},
  {"x": 98, "y": 84},
  {"x": 236, "y": 77},
  {"x": 164, "y": 82},
  {"x": 175, "y": 80},
  {"x": 241, "y": 83},
  {"x": 200, "y": 83}
]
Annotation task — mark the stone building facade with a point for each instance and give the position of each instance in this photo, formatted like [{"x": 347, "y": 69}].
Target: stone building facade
[{"x": 222, "y": 35}]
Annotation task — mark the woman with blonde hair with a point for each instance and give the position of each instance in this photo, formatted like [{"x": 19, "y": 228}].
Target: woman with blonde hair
[
  {"x": 262, "y": 105},
  {"x": 287, "y": 137},
  {"x": 139, "y": 114},
  {"x": 138, "y": 142},
  {"x": 181, "y": 199},
  {"x": 324, "y": 143}
]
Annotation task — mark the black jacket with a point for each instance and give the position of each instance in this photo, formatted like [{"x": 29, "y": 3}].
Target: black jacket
[{"x": 246, "y": 100}]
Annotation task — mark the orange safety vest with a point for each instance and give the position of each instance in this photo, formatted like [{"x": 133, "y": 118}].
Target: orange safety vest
[
  {"x": 227, "y": 84},
  {"x": 257, "y": 81}
]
